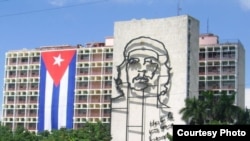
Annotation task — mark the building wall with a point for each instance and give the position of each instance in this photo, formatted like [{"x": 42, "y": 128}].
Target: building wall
[
  {"x": 92, "y": 92},
  {"x": 133, "y": 118},
  {"x": 241, "y": 76},
  {"x": 222, "y": 67},
  {"x": 208, "y": 39}
]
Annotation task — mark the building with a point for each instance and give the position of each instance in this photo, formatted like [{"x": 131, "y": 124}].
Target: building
[
  {"x": 136, "y": 81},
  {"x": 222, "y": 67},
  {"x": 91, "y": 86},
  {"x": 155, "y": 70}
]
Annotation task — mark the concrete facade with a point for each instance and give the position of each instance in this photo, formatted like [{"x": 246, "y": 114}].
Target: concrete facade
[
  {"x": 222, "y": 67},
  {"x": 144, "y": 114},
  {"x": 92, "y": 92}
]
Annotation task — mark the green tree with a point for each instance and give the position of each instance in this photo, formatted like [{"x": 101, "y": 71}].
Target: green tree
[
  {"x": 213, "y": 109},
  {"x": 193, "y": 112},
  {"x": 5, "y": 133},
  {"x": 22, "y": 134},
  {"x": 96, "y": 132},
  {"x": 90, "y": 132}
]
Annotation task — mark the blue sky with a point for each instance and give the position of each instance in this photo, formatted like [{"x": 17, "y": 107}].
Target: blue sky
[{"x": 28, "y": 24}]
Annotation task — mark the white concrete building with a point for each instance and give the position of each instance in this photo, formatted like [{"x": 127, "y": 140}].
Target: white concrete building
[
  {"x": 24, "y": 103},
  {"x": 155, "y": 70},
  {"x": 222, "y": 67}
]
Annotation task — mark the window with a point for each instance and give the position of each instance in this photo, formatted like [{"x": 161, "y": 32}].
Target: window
[
  {"x": 34, "y": 73},
  {"x": 232, "y": 48},
  {"x": 10, "y": 99},
  {"x": 224, "y": 77},
  {"x": 209, "y": 78},
  {"x": 201, "y": 78},
  {"x": 202, "y": 50},
  {"x": 210, "y": 49},
  {"x": 109, "y": 56},
  {"x": 22, "y": 86},
  {"x": 107, "y": 97},
  {"x": 11, "y": 86},
  {"x": 12, "y": 73},
  {"x": 35, "y": 59},
  {"x": 23, "y": 73},
  {"x": 108, "y": 83},
  {"x": 34, "y": 85},
  {"x": 84, "y": 57},
  {"x": 231, "y": 63},
  {"x": 82, "y": 98},
  {"x": 33, "y": 99},
  {"x": 232, "y": 77},
  {"x": 24, "y": 60},
  {"x": 202, "y": 64},
  {"x": 22, "y": 99},
  {"x": 13, "y": 60},
  {"x": 108, "y": 70},
  {"x": 21, "y": 112},
  {"x": 83, "y": 84},
  {"x": 9, "y": 112},
  {"x": 84, "y": 70},
  {"x": 216, "y": 77},
  {"x": 106, "y": 112}
]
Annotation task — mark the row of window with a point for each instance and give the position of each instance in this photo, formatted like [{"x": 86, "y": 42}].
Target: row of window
[
  {"x": 81, "y": 57},
  {"x": 217, "y": 70},
  {"x": 78, "y": 99},
  {"x": 94, "y": 64},
  {"x": 218, "y": 63},
  {"x": 216, "y": 49},
  {"x": 78, "y": 92},
  {"x": 21, "y": 93},
  {"x": 94, "y": 92},
  {"x": 78, "y": 113},
  {"x": 224, "y": 77},
  {"x": 95, "y": 50},
  {"x": 217, "y": 85},
  {"x": 79, "y": 51},
  {"x": 80, "y": 71},
  {"x": 20, "y": 106},
  {"x": 217, "y": 55}
]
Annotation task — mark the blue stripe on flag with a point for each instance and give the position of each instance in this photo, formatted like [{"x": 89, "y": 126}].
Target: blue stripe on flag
[
  {"x": 71, "y": 89},
  {"x": 54, "y": 108},
  {"x": 55, "y": 99},
  {"x": 41, "y": 97}
]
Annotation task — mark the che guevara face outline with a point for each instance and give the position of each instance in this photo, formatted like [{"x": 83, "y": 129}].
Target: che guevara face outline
[
  {"x": 141, "y": 68},
  {"x": 145, "y": 62}
]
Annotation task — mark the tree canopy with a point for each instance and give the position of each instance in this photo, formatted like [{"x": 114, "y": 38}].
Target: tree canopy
[
  {"x": 214, "y": 109},
  {"x": 90, "y": 132}
]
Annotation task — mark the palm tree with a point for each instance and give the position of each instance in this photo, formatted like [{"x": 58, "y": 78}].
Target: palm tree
[
  {"x": 225, "y": 110},
  {"x": 193, "y": 113},
  {"x": 212, "y": 109}
]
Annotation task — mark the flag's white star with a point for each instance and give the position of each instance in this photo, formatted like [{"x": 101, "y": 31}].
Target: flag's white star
[{"x": 58, "y": 60}]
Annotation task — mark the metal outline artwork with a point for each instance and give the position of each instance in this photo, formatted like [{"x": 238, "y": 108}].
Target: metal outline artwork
[
  {"x": 156, "y": 83},
  {"x": 128, "y": 49}
]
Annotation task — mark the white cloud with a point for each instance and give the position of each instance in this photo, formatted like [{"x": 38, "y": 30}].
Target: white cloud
[
  {"x": 58, "y": 2},
  {"x": 245, "y": 4},
  {"x": 64, "y": 2},
  {"x": 133, "y": 1},
  {"x": 127, "y": 1},
  {"x": 247, "y": 98}
]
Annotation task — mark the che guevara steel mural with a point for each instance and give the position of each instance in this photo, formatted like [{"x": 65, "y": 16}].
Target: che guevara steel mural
[{"x": 144, "y": 80}]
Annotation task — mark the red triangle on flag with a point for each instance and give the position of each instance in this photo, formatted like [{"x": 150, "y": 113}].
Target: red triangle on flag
[{"x": 56, "y": 63}]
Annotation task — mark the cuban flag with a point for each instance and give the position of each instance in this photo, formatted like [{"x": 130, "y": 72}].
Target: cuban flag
[{"x": 57, "y": 84}]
